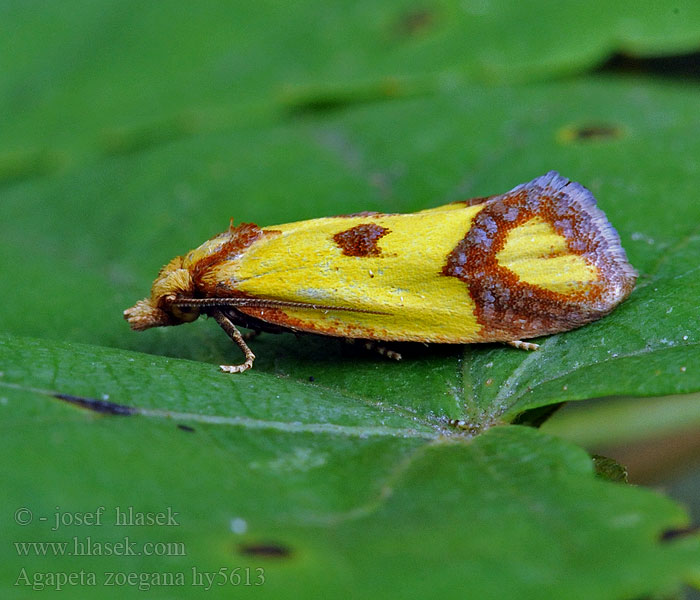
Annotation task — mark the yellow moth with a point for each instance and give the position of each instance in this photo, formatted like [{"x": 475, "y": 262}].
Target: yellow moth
[{"x": 537, "y": 260}]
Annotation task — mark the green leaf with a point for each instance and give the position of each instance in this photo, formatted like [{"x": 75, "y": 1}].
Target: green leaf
[
  {"x": 323, "y": 493},
  {"x": 347, "y": 162},
  {"x": 134, "y": 132},
  {"x": 137, "y": 75}
]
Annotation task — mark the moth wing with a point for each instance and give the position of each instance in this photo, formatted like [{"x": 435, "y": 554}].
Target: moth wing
[
  {"x": 540, "y": 259},
  {"x": 384, "y": 273}
]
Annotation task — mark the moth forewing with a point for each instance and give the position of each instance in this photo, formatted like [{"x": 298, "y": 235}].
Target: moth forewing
[{"x": 537, "y": 260}]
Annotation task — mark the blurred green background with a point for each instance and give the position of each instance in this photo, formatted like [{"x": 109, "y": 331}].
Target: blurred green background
[{"x": 132, "y": 132}]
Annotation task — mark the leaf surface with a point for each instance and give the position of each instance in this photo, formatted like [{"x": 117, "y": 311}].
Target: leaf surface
[{"x": 322, "y": 496}]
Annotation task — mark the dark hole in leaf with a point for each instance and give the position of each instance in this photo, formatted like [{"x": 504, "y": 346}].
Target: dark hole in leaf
[
  {"x": 100, "y": 406},
  {"x": 680, "y": 65},
  {"x": 267, "y": 550},
  {"x": 185, "y": 428},
  {"x": 319, "y": 104},
  {"x": 672, "y": 534}
]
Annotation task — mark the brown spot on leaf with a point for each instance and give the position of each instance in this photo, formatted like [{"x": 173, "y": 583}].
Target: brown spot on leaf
[
  {"x": 266, "y": 550},
  {"x": 589, "y": 132},
  {"x": 597, "y": 131},
  {"x": 415, "y": 22},
  {"x": 361, "y": 240}
]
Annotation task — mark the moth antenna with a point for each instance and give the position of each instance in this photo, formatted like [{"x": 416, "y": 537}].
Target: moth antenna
[{"x": 260, "y": 303}]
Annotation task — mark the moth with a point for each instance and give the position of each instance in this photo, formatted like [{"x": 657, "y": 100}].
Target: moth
[{"x": 537, "y": 260}]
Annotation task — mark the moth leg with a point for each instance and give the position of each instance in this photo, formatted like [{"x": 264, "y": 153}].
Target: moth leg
[
  {"x": 520, "y": 345},
  {"x": 383, "y": 350},
  {"x": 251, "y": 335},
  {"x": 228, "y": 326},
  {"x": 372, "y": 346}
]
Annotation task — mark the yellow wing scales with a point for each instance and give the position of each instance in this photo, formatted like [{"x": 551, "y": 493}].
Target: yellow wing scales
[
  {"x": 538, "y": 255},
  {"x": 403, "y": 282}
]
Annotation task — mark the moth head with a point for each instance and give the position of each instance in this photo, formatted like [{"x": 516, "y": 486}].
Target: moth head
[{"x": 172, "y": 284}]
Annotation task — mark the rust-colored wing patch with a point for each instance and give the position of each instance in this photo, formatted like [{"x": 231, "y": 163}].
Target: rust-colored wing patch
[
  {"x": 511, "y": 307},
  {"x": 361, "y": 240}
]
